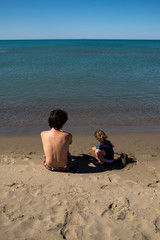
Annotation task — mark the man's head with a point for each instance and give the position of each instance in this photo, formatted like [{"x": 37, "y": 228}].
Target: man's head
[{"x": 57, "y": 119}]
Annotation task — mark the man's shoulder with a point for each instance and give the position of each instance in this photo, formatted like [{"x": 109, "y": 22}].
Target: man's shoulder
[
  {"x": 68, "y": 137},
  {"x": 43, "y": 133},
  {"x": 66, "y": 134}
]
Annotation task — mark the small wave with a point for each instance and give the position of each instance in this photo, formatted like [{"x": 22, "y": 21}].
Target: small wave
[{"x": 3, "y": 51}]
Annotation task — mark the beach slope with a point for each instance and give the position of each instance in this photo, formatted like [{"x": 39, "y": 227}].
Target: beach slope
[{"x": 90, "y": 202}]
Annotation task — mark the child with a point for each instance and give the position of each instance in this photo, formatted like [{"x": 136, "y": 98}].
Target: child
[{"x": 104, "y": 153}]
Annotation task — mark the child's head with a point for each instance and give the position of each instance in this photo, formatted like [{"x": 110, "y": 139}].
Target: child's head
[
  {"x": 100, "y": 136},
  {"x": 57, "y": 119}
]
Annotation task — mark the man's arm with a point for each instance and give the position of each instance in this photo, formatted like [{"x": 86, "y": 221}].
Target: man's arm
[{"x": 70, "y": 138}]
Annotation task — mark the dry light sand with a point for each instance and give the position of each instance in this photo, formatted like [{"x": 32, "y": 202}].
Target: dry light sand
[{"x": 90, "y": 202}]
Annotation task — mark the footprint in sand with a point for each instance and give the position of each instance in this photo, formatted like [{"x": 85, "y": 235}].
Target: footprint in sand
[
  {"x": 154, "y": 185},
  {"x": 152, "y": 170},
  {"x": 106, "y": 186},
  {"x": 8, "y": 160},
  {"x": 140, "y": 236},
  {"x": 8, "y": 216},
  {"x": 4, "y": 218},
  {"x": 15, "y": 185},
  {"x": 157, "y": 224},
  {"x": 119, "y": 210},
  {"x": 30, "y": 153},
  {"x": 111, "y": 181}
]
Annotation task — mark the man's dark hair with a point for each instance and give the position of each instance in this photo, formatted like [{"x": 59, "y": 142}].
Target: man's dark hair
[{"x": 57, "y": 119}]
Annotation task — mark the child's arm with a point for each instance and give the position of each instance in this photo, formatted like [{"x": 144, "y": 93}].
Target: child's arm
[
  {"x": 112, "y": 144},
  {"x": 95, "y": 147}
]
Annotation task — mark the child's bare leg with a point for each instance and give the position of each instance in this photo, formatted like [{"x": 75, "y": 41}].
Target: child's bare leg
[{"x": 100, "y": 155}]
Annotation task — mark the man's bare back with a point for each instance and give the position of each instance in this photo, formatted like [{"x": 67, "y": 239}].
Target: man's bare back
[
  {"x": 56, "y": 142},
  {"x": 56, "y": 147}
]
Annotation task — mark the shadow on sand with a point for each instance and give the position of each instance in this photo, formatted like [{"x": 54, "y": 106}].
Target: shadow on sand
[{"x": 88, "y": 164}]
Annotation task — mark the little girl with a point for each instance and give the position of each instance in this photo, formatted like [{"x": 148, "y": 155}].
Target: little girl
[{"x": 104, "y": 153}]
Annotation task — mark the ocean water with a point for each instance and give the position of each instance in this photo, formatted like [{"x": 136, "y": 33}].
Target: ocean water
[{"x": 108, "y": 84}]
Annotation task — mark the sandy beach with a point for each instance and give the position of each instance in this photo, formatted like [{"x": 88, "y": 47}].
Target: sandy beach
[{"x": 89, "y": 202}]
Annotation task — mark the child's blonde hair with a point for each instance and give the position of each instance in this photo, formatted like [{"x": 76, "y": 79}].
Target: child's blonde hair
[{"x": 100, "y": 136}]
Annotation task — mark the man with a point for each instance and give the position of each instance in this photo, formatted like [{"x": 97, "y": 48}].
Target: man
[{"x": 56, "y": 143}]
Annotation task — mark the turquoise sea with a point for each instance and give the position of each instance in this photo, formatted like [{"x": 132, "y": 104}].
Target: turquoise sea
[{"x": 108, "y": 84}]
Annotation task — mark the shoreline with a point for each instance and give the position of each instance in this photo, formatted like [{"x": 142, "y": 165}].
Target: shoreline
[{"x": 77, "y": 130}]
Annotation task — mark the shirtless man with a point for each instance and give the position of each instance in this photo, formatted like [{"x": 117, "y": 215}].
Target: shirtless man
[{"x": 56, "y": 143}]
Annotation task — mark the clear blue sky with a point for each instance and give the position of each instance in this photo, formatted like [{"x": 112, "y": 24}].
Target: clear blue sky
[{"x": 69, "y": 19}]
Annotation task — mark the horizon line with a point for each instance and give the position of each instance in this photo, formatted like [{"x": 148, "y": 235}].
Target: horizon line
[{"x": 24, "y": 39}]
